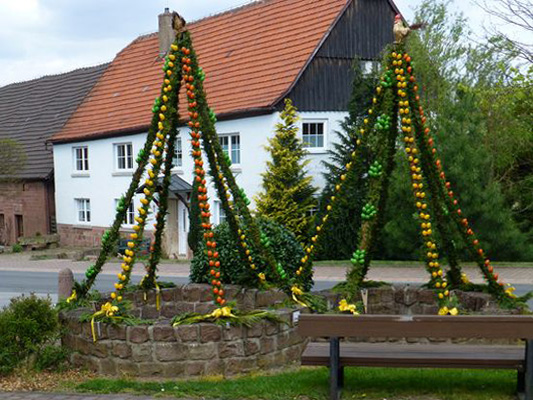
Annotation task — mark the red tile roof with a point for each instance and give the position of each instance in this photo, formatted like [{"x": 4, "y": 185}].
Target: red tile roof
[{"x": 251, "y": 55}]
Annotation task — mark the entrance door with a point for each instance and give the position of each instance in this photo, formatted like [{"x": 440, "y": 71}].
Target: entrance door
[
  {"x": 183, "y": 227},
  {"x": 19, "y": 226}
]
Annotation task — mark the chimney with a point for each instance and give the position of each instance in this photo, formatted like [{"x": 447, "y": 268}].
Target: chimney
[{"x": 166, "y": 33}]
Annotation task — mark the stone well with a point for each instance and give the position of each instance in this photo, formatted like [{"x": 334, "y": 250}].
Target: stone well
[
  {"x": 189, "y": 350},
  {"x": 405, "y": 299}
]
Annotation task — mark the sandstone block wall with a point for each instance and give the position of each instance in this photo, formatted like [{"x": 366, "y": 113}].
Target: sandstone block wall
[{"x": 160, "y": 350}]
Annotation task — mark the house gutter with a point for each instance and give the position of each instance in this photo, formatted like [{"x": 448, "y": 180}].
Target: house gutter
[{"x": 237, "y": 114}]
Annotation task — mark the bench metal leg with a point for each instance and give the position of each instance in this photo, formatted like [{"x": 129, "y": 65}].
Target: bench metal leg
[
  {"x": 341, "y": 377},
  {"x": 521, "y": 382},
  {"x": 336, "y": 375},
  {"x": 528, "y": 373}
]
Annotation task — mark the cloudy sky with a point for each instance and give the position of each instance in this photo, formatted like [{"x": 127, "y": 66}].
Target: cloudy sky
[{"x": 42, "y": 37}]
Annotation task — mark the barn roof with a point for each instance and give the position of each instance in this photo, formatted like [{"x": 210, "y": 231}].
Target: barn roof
[
  {"x": 31, "y": 111},
  {"x": 252, "y": 56}
]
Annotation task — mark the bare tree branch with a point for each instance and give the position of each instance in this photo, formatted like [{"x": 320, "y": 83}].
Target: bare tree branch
[{"x": 518, "y": 13}]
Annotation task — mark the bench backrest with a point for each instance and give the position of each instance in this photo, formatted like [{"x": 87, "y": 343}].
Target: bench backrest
[{"x": 402, "y": 326}]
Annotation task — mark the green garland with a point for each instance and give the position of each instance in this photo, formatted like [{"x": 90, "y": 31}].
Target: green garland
[
  {"x": 437, "y": 200},
  {"x": 206, "y": 119},
  {"x": 110, "y": 237},
  {"x": 381, "y": 137},
  {"x": 166, "y": 110},
  {"x": 448, "y": 207},
  {"x": 227, "y": 316},
  {"x": 358, "y": 160},
  {"x": 246, "y": 233},
  {"x": 426, "y": 176},
  {"x": 149, "y": 281}
]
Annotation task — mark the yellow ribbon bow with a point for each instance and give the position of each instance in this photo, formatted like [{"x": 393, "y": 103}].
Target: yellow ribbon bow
[
  {"x": 296, "y": 291},
  {"x": 157, "y": 297},
  {"x": 157, "y": 293},
  {"x": 344, "y": 306},
  {"x": 107, "y": 310},
  {"x": 222, "y": 312},
  {"x": 72, "y": 297}
]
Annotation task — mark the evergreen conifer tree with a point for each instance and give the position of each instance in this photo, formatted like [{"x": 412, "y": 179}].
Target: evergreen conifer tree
[
  {"x": 341, "y": 232},
  {"x": 287, "y": 196}
]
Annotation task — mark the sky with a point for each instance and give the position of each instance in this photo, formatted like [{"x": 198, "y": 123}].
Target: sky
[{"x": 43, "y": 37}]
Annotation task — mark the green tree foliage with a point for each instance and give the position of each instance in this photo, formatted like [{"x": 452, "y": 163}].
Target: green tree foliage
[
  {"x": 287, "y": 196},
  {"x": 286, "y": 249},
  {"x": 345, "y": 218},
  {"x": 27, "y": 325},
  {"x": 478, "y": 140},
  {"x": 507, "y": 105}
]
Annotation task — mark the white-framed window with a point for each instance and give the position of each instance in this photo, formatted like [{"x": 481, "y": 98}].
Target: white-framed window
[
  {"x": 231, "y": 144},
  {"x": 178, "y": 155},
  {"x": 314, "y": 134},
  {"x": 369, "y": 66},
  {"x": 84, "y": 210},
  {"x": 81, "y": 158},
  {"x": 129, "y": 218},
  {"x": 220, "y": 213},
  {"x": 123, "y": 156}
]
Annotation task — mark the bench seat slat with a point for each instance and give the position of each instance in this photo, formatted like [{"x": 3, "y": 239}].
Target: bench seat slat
[
  {"x": 399, "y": 326},
  {"x": 401, "y": 355}
]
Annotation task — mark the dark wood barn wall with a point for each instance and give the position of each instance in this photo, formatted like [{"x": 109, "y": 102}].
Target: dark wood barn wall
[{"x": 362, "y": 32}]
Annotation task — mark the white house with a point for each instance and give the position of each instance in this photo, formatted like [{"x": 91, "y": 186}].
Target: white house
[{"x": 254, "y": 57}]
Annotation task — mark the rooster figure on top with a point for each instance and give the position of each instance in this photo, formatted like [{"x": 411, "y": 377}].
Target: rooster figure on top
[{"x": 401, "y": 31}]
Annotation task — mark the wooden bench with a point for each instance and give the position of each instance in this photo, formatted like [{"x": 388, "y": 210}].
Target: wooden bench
[{"x": 442, "y": 355}]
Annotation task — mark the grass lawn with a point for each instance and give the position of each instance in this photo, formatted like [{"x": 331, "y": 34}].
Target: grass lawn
[
  {"x": 418, "y": 264},
  {"x": 311, "y": 384}
]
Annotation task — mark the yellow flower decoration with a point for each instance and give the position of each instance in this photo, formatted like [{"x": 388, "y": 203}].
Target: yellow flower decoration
[
  {"x": 262, "y": 276},
  {"x": 448, "y": 311},
  {"x": 345, "y": 306},
  {"x": 296, "y": 290},
  {"x": 464, "y": 278},
  {"x": 509, "y": 291},
  {"x": 107, "y": 310},
  {"x": 222, "y": 312}
]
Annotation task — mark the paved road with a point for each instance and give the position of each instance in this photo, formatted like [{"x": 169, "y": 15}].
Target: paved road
[
  {"x": 19, "y": 274},
  {"x": 15, "y": 283}
]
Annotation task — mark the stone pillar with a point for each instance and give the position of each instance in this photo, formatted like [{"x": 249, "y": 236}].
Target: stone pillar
[{"x": 65, "y": 283}]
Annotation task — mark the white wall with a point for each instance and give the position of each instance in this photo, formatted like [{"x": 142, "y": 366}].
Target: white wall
[{"x": 103, "y": 184}]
